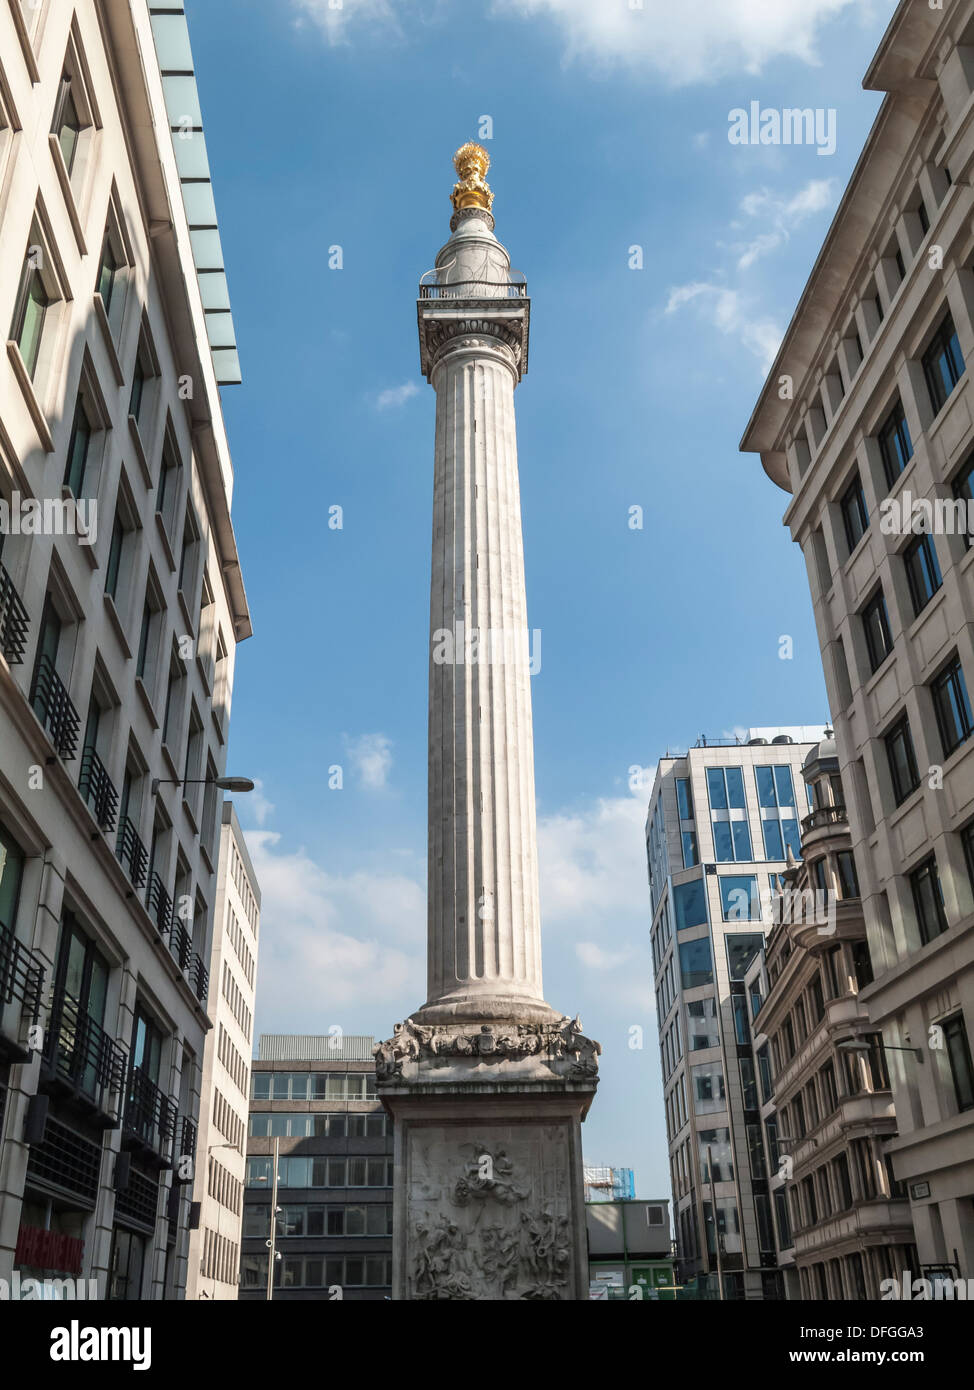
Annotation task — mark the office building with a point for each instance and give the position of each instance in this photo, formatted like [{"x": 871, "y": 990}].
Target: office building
[
  {"x": 866, "y": 422},
  {"x": 214, "y": 1244},
  {"x": 722, "y": 820},
  {"x": 121, "y": 603},
  {"x": 316, "y": 1098}
]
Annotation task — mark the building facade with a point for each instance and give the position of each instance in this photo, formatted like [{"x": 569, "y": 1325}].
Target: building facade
[
  {"x": 121, "y": 602},
  {"x": 842, "y": 1218},
  {"x": 721, "y": 821},
  {"x": 214, "y": 1243},
  {"x": 315, "y": 1098},
  {"x": 629, "y": 1249},
  {"x": 866, "y": 421}
]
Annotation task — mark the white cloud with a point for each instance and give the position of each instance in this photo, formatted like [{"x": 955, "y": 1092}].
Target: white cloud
[
  {"x": 332, "y": 945},
  {"x": 254, "y": 807},
  {"x": 697, "y": 42},
  {"x": 371, "y": 758},
  {"x": 593, "y": 861},
  {"x": 596, "y": 958},
  {"x": 781, "y": 216},
  {"x": 395, "y": 395},
  {"x": 730, "y": 314}
]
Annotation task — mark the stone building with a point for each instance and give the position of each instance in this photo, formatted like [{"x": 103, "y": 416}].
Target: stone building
[
  {"x": 121, "y": 603},
  {"x": 866, "y": 422},
  {"x": 843, "y": 1219},
  {"x": 214, "y": 1243}
]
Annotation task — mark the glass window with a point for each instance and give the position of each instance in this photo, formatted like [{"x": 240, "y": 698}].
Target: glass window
[
  {"x": 108, "y": 272},
  {"x": 78, "y": 446},
  {"x": 928, "y": 899},
  {"x": 792, "y": 836},
  {"x": 855, "y": 517},
  {"x": 740, "y": 900},
  {"x": 716, "y": 789},
  {"x": 715, "y": 1144},
  {"x": 843, "y": 1186},
  {"x": 943, "y": 365},
  {"x": 696, "y": 963},
  {"x": 764, "y": 1073},
  {"x": 67, "y": 124},
  {"x": 748, "y": 1083},
  {"x": 707, "y": 1082},
  {"x": 690, "y": 904},
  {"x": 895, "y": 444},
  {"x": 848, "y": 878},
  {"x": 902, "y": 760},
  {"x": 952, "y": 706},
  {"x": 262, "y": 1085},
  {"x": 702, "y": 1026},
  {"x": 684, "y": 798},
  {"x": 755, "y": 1154},
  {"x": 30, "y": 312},
  {"x": 742, "y": 948},
  {"x": 690, "y": 855},
  {"x": 773, "y": 843},
  {"x": 875, "y": 621},
  {"x": 959, "y": 1056},
  {"x": 922, "y": 571},
  {"x": 742, "y": 1029}
]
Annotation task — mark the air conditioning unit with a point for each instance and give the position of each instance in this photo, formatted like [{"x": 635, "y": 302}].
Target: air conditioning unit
[{"x": 654, "y": 1216}]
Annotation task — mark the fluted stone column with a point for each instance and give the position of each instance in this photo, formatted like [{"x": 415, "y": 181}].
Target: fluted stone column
[
  {"x": 484, "y": 917},
  {"x": 487, "y": 1084}
]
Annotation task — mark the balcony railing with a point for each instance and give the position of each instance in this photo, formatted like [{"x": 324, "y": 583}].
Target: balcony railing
[
  {"x": 130, "y": 851},
  {"x": 98, "y": 790},
  {"x": 475, "y": 289},
  {"x": 159, "y": 903},
  {"x": 150, "y": 1116},
  {"x": 81, "y": 1055},
  {"x": 199, "y": 977},
  {"x": 53, "y": 707},
  {"x": 180, "y": 943},
  {"x": 13, "y": 621},
  {"x": 21, "y": 977},
  {"x": 823, "y": 816},
  {"x": 187, "y": 1138}
]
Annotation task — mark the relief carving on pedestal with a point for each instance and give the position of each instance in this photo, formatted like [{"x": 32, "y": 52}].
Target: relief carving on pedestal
[
  {"x": 497, "y": 1245},
  {"x": 561, "y": 1046}
]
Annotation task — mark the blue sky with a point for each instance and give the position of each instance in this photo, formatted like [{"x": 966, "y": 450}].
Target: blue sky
[{"x": 336, "y": 127}]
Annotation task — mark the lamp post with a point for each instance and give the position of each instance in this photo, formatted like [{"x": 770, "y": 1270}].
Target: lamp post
[
  {"x": 226, "y": 784},
  {"x": 272, "y": 1242},
  {"x": 862, "y": 1048}
]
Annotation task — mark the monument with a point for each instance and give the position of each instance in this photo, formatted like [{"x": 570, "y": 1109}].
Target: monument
[{"x": 487, "y": 1083}]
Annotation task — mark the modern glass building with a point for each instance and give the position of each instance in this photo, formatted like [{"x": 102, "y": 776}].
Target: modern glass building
[
  {"x": 315, "y": 1097},
  {"x": 722, "y": 822}
]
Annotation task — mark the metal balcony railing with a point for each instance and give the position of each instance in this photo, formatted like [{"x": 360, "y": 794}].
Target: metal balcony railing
[
  {"x": 823, "y": 816},
  {"x": 180, "y": 943},
  {"x": 159, "y": 904},
  {"x": 14, "y": 621},
  {"x": 199, "y": 977},
  {"x": 21, "y": 975},
  {"x": 81, "y": 1054},
  {"x": 149, "y": 1115},
  {"x": 130, "y": 851},
  {"x": 187, "y": 1138},
  {"x": 53, "y": 707},
  {"x": 98, "y": 790},
  {"x": 475, "y": 289}
]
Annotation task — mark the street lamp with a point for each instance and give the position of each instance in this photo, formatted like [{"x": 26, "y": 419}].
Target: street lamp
[
  {"x": 862, "y": 1048},
  {"x": 226, "y": 784},
  {"x": 272, "y": 1243}
]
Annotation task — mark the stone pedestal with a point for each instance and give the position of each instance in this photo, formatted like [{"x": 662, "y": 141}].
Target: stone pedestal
[{"x": 488, "y": 1197}]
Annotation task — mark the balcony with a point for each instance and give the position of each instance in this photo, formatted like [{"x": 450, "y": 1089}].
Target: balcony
[
  {"x": 159, "y": 905},
  {"x": 187, "y": 1137},
  {"x": 13, "y": 621},
  {"x": 98, "y": 790},
  {"x": 82, "y": 1059},
  {"x": 53, "y": 707},
  {"x": 131, "y": 852},
  {"x": 824, "y": 817},
  {"x": 180, "y": 944},
  {"x": 149, "y": 1121},
  {"x": 475, "y": 289},
  {"x": 199, "y": 978},
  {"x": 21, "y": 984}
]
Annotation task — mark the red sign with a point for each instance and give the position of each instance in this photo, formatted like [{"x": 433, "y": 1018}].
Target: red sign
[{"x": 38, "y": 1249}]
